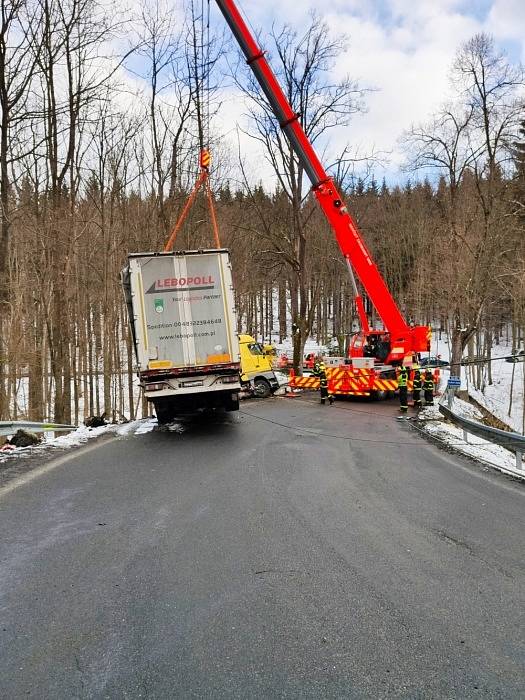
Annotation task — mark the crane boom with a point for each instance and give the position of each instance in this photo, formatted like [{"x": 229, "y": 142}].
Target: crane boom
[{"x": 407, "y": 339}]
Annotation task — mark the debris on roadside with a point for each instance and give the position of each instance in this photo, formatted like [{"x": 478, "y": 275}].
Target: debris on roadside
[
  {"x": 24, "y": 438},
  {"x": 96, "y": 421}
]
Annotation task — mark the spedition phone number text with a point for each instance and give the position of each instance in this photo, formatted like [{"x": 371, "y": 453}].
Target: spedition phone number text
[
  {"x": 212, "y": 321},
  {"x": 185, "y": 324}
]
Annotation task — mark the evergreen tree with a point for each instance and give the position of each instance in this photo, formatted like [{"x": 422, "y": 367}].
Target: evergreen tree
[{"x": 372, "y": 187}]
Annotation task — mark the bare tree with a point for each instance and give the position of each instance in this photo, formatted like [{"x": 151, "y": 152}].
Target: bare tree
[
  {"x": 18, "y": 59},
  {"x": 303, "y": 64},
  {"x": 469, "y": 144},
  {"x": 159, "y": 43},
  {"x": 73, "y": 36}
]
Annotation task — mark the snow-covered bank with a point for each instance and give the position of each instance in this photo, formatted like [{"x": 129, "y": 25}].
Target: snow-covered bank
[
  {"x": 432, "y": 422},
  {"x": 79, "y": 437},
  {"x": 494, "y": 397}
]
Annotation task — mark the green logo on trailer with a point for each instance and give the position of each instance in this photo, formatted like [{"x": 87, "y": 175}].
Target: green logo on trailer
[{"x": 159, "y": 305}]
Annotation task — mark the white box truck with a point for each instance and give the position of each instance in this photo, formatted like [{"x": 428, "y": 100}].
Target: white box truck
[{"x": 184, "y": 328}]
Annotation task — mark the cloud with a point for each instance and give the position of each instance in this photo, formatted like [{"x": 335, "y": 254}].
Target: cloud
[
  {"x": 407, "y": 63},
  {"x": 401, "y": 48},
  {"x": 506, "y": 19}
]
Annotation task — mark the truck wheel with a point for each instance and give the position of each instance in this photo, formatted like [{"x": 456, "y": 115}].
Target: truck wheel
[
  {"x": 261, "y": 388},
  {"x": 163, "y": 413}
]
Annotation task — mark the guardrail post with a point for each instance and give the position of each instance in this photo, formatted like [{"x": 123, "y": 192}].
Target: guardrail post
[
  {"x": 519, "y": 457},
  {"x": 465, "y": 436}
]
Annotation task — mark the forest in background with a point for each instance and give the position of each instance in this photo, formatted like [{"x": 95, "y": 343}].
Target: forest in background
[{"x": 88, "y": 174}]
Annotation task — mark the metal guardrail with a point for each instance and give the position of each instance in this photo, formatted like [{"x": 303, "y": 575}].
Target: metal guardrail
[
  {"x": 510, "y": 441},
  {"x": 10, "y": 427}
]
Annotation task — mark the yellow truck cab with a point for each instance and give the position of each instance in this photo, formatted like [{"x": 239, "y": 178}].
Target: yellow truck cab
[{"x": 256, "y": 366}]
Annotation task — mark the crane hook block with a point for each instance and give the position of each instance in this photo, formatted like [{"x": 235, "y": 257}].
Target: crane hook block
[{"x": 205, "y": 158}]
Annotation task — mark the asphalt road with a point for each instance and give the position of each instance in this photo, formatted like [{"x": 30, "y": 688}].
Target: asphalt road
[{"x": 296, "y": 551}]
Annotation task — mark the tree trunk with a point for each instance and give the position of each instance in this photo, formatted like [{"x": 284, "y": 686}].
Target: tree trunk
[{"x": 282, "y": 311}]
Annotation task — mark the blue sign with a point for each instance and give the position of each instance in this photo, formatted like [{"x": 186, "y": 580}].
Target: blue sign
[{"x": 454, "y": 381}]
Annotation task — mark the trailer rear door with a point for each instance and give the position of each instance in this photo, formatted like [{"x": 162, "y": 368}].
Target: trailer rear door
[{"x": 185, "y": 313}]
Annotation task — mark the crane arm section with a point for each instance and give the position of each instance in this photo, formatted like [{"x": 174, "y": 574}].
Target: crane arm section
[{"x": 348, "y": 237}]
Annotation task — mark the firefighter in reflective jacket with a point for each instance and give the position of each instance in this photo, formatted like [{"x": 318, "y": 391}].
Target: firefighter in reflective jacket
[
  {"x": 320, "y": 373},
  {"x": 402, "y": 383},
  {"x": 428, "y": 388},
  {"x": 416, "y": 389}
]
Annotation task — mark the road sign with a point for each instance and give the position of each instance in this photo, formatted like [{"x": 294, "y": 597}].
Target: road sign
[{"x": 452, "y": 385}]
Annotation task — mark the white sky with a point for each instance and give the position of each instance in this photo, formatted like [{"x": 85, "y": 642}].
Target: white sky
[{"x": 401, "y": 48}]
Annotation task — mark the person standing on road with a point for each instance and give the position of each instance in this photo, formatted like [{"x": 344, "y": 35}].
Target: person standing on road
[
  {"x": 428, "y": 388},
  {"x": 416, "y": 389},
  {"x": 320, "y": 373},
  {"x": 402, "y": 383}
]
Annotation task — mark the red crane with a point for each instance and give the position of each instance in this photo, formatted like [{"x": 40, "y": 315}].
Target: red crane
[{"x": 401, "y": 339}]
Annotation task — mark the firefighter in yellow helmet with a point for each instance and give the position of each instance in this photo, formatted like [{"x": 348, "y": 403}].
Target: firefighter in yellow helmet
[
  {"x": 320, "y": 373},
  {"x": 428, "y": 388}
]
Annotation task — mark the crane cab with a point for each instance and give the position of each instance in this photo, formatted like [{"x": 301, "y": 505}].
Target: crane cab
[{"x": 374, "y": 344}]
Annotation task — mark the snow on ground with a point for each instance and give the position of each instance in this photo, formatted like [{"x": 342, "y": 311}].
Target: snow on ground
[
  {"x": 144, "y": 426},
  {"x": 495, "y": 397},
  {"x": 286, "y": 348},
  {"x": 434, "y": 423},
  {"x": 80, "y": 436},
  {"x": 21, "y": 398}
]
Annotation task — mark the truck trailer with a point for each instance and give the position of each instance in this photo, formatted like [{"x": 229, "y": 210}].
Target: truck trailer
[{"x": 184, "y": 329}]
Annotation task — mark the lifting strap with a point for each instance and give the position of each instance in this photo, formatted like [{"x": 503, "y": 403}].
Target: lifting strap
[{"x": 203, "y": 179}]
